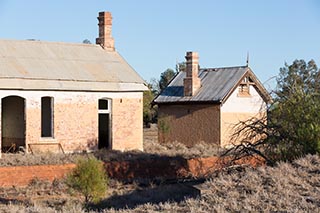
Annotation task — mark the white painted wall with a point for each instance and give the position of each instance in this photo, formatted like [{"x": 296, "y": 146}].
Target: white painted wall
[
  {"x": 239, "y": 108},
  {"x": 244, "y": 104},
  {"x": 33, "y": 98}
]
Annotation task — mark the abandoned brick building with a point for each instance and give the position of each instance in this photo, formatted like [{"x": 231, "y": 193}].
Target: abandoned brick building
[
  {"x": 68, "y": 96},
  {"x": 203, "y": 105}
]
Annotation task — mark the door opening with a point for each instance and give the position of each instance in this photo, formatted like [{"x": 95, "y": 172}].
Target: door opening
[
  {"x": 104, "y": 122},
  {"x": 13, "y": 124},
  {"x": 104, "y": 131}
]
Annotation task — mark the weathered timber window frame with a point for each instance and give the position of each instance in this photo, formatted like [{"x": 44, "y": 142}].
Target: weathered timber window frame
[{"x": 244, "y": 87}]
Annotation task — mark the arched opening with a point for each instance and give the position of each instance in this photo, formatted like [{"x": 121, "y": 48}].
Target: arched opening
[
  {"x": 13, "y": 123},
  {"x": 104, "y": 122}
]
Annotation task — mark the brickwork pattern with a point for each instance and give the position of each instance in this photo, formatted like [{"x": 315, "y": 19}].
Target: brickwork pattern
[
  {"x": 190, "y": 124},
  {"x": 75, "y": 120},
  {"x": 127, "y": 132}
]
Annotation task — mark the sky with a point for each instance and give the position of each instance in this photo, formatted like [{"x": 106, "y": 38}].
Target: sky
[{"x": 154, "y": 35}]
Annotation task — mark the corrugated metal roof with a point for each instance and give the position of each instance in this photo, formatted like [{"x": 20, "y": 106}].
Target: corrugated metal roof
[
  {"x": 64, "y": 66},
  {"x": 216, "y": 84}
]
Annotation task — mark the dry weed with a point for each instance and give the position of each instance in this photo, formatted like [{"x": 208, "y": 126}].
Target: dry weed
[
  {"x": 152, "y": 149},
  {"x": 151, "y": 145},
  {"x": 287, "y": 187}
]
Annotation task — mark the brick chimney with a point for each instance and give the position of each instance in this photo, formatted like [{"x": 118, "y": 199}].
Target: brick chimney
[
  {"x": 105, "y": 27},
  {"x": 191, "y": 82}
]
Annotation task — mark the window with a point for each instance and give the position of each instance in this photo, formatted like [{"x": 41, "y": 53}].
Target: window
[
  {"x": 244, "y": 87},
  {"x": 103, "y": 104},
  {"x": 46, "y": 117}
]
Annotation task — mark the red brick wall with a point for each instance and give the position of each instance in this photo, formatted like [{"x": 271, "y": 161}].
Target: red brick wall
[
  {"x": 76, "y": 120},
  {"x": 127, "y": 132}
]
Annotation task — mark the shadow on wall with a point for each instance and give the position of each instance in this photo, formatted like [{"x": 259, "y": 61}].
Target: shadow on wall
[{"x": 155, "y": 195}]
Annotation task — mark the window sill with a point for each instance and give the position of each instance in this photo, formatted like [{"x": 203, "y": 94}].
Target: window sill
[
  {"x": 245, "y": 95},
  {"x": 47, "y": 140}
]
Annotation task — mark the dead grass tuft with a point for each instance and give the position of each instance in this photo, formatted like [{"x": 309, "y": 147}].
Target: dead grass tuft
[
  {"x": 173, "y": 149},
  {"x": 21, "y": 159},
  {"x": 286, "y": 187}
]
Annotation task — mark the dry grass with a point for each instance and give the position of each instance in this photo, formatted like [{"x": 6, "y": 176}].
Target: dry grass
[
  {"x": 21, "y": 159},
  {"x": 151, "y": 149},
  {"x": 286, "y": 187},
  {"x": 152, "y": 146}
]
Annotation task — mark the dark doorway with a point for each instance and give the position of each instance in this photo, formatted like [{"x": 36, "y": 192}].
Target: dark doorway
[
  {"x": 104, "y": 135},
  {"x": 46, "y": 117},
  {"x": 13, "y": 124}
]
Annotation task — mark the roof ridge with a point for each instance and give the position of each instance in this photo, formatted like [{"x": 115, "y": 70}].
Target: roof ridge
[
  {"x": 50, "y": 42},
  {"x": 231, "y": 67}
]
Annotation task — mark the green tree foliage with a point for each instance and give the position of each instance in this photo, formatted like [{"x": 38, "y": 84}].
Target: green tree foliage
[
  {"x": 181, "y": 67},
  {"x": 149, "y": 111},
  {"x": 292, "y": 128},
  {"x": 297, "y": 107},
  {"x": 165, "y": 78},
  {"x": 86, "y": 41},
  {"x": 89, "y": 178},
  {"x": 155, "y": 86}
]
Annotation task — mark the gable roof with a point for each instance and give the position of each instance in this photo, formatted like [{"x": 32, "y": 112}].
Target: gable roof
[
  {"x": 216, "y": 86},
  {"x": 38, "y": 65}
]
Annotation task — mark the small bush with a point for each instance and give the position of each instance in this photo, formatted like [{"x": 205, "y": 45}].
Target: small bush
[{"x": 89, "y": 178}]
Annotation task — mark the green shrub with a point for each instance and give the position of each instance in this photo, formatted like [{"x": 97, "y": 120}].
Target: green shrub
[
  {"x": 163, "y": 124},
  {"x": 89, "y": 178},
  {"x": 291, "y": 128}
]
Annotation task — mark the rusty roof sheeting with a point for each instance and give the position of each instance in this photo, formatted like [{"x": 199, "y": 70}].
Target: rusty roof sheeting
[{"x": 64, "y": 66}]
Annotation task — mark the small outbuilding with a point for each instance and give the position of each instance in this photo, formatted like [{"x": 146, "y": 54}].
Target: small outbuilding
[
  {"x": 204, "y": 104},
  {"x": 68, "y": 96}
]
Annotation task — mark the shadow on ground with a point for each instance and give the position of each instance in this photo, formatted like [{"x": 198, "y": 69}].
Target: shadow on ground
[
  {"x": 155, "y": 195},
  {"x": 14, "y": 201}
]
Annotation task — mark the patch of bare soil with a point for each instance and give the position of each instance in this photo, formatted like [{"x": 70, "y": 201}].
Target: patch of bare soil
[{"x": 287, "y": 187}]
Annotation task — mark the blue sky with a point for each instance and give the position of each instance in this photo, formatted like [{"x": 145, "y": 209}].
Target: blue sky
[{"x": 153, "y": 35}]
